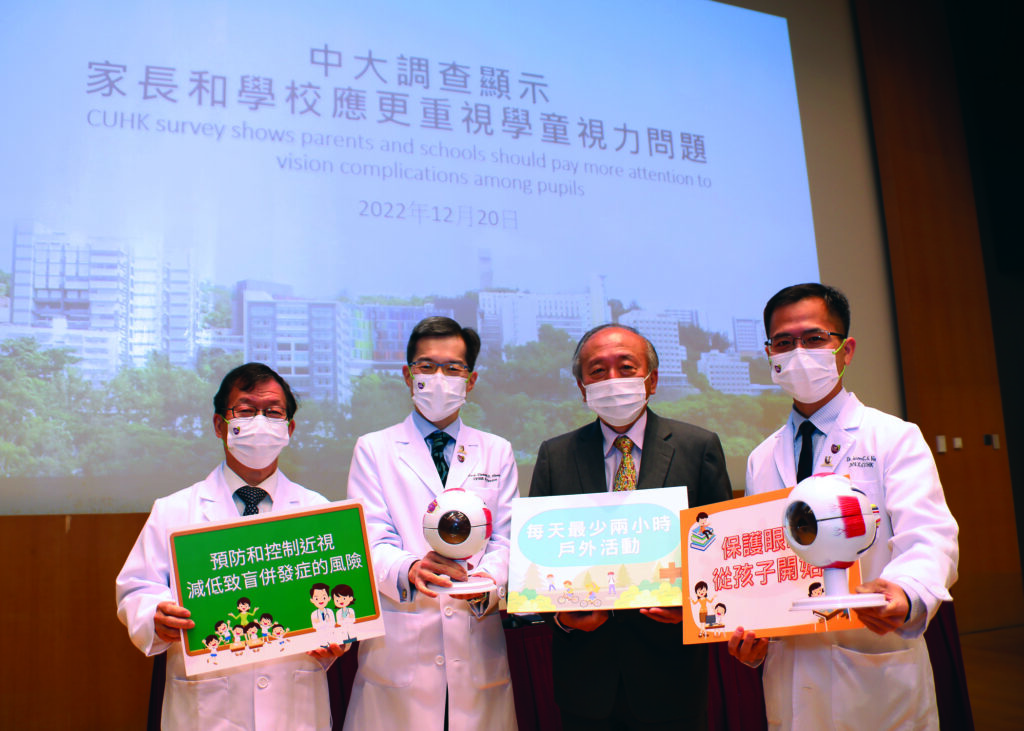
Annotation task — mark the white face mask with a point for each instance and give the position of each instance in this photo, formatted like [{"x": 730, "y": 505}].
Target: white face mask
[
  {"x": 438, "y": 396},
  {"x": 618, "y": 401},
  {"x": 807, "y": 375},
  {"x": 256, "y": 442}
]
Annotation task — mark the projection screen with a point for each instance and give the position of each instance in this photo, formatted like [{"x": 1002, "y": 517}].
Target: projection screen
[{"x": 196, "y": 185}]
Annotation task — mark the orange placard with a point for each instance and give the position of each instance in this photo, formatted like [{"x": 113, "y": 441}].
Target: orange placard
[{"x": 739, "y": 572}]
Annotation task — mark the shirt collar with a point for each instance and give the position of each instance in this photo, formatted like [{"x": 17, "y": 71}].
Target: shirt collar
[
  {"x": 234, "y": 482},
  {"x": 824, "y": 418},
  {"x": 425, "y": 428},
  {"x": 635, "y": 434}
]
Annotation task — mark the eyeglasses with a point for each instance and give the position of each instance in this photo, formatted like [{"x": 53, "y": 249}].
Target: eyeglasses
[
  {"x": 274, "y": 413},
  {"x": 427, "y": 367},
  {"x": 785, "y": 342}
]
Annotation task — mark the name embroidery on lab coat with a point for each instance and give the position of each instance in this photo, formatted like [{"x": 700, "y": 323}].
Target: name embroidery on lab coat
[
  {"x": 485, "y": 477},
  {"x": 864, "y": 461}
]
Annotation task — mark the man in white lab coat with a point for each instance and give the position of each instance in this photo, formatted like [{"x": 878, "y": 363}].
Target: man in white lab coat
[
  {"x": 442, "y": 660},
  {"x": 879, "y": 677},
  {"x": 253, "y": 417}
]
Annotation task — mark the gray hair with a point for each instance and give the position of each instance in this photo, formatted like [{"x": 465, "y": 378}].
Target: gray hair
[{"x": 577, "y": 367}]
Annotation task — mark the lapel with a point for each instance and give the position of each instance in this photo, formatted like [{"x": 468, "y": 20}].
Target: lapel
[
  {"x": 412, "y": 449},
  {"x": 215, "y": 500},
  {"x": 657, "y": 453},
  {"x": 842, "y": 436},
  {"x": 287, "y": 495},
  {"x": 590, "y": 458},
  {"x": 782, "y": 454},
  {"x": 467, "y": 446}
]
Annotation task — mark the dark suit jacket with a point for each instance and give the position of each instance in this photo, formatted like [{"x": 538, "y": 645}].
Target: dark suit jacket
[{"x": 664, "y": 679}]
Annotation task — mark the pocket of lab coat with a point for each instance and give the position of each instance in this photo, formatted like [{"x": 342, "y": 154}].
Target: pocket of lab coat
[
  {"x": 204, "y": 703},
  {"x": 490, "y": 660},
  {"x": 774, "y": 679},
  {"x": 884, "y": 690},
  {"x": 311, "y": 707},
  {"x": 393, "y": 664}
]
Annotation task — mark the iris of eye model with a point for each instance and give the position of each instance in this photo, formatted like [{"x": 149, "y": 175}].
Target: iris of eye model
[{"x": 829, "y": 522}]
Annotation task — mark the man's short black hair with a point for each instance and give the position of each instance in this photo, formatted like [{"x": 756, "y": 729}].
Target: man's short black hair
[
  {"x": 246, "y": 378},
  {"x": 444, "y": 327},
  {"x": 835, "y": 302}
]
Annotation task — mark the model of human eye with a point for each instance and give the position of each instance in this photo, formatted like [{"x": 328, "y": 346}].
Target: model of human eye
[{"x": 457, "y": 523}]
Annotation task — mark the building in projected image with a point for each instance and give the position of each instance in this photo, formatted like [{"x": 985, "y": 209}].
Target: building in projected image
[
  {"x": 662, "y": 329},
  {"x": 514, "y": 318},
  {"x": 748, "y": 336},
  {"x": 323, "y": 346},
  {"x": 111, "y": 302}
]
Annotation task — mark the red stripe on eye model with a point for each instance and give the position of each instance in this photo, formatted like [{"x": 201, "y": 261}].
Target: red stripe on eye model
[{"x": 853, "y": 521}]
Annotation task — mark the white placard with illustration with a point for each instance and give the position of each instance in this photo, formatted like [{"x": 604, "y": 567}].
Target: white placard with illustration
[{"x": 608, "y": 550}]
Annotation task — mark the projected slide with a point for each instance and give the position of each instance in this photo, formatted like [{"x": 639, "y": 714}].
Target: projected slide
[{"x": 195, "y": 185}]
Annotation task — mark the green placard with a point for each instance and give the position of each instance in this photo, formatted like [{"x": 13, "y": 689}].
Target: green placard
[{"x": 239, "y": 572}]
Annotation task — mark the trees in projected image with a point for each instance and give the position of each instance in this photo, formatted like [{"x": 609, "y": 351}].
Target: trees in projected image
[{"x": 155, "y": 419}]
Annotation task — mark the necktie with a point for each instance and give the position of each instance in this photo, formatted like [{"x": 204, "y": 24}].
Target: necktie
[
  {"x": 806, "y": 432},
  {"x": 625, "y": 477},
  {"x": 438, "y": 441},
  {"x": 252, "y": 497}
]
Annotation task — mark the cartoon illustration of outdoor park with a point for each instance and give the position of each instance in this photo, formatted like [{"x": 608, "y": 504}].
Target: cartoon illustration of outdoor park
[{"x": 599, "y": 587}]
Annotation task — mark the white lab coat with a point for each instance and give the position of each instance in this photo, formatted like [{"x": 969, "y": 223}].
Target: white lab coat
[
  {"x": 857, "y": 679},
  {"x": 431, "y": 644},
  {"x": 289, "y": 693}
]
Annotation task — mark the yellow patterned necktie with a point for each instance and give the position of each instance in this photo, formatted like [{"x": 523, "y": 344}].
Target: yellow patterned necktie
[{"x": 625, "y": 477}]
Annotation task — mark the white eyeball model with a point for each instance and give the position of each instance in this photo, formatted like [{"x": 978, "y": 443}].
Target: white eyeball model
[
  {"x": 828, "y": 522},
  {"x": 457, "y": 525}
]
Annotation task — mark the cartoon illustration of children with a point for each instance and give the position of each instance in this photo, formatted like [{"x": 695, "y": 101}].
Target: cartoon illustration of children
[
  {"x": 322, "y": 618},
  {"x": 212, "y": 642},
  {"x": 611, "y": 584},
  {"x": 252, "y": 636},
  {"x": 816, "y": 589},
  {"x": 551, "y": 582},
  {"x": 278, "y": 632},
  {"x": 702, "y": 535},
  {"x": 344, "y": 598},
  {"x": 266, "y": 622},
  {"x": 223, "y": 630},
  {"x": 239, "y": 638},
  {"x": 717, "y": 620},
  {"x": 702, "y": 525},
  {"x": 569, "y": 595},
  {"x": 243, "y": 611},
  {"x": 591, "y": 587},
  {"x": 701, "y": 590}
]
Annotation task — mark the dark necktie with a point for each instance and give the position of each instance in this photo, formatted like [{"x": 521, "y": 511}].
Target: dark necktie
[
  {"x": 806, "y": 432},
  {"x": 438, "y": 441},
  {"x": 252, "y": 497}
]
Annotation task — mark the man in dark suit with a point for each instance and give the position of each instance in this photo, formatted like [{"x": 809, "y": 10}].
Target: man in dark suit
[{"x": 628, "y": 669}]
